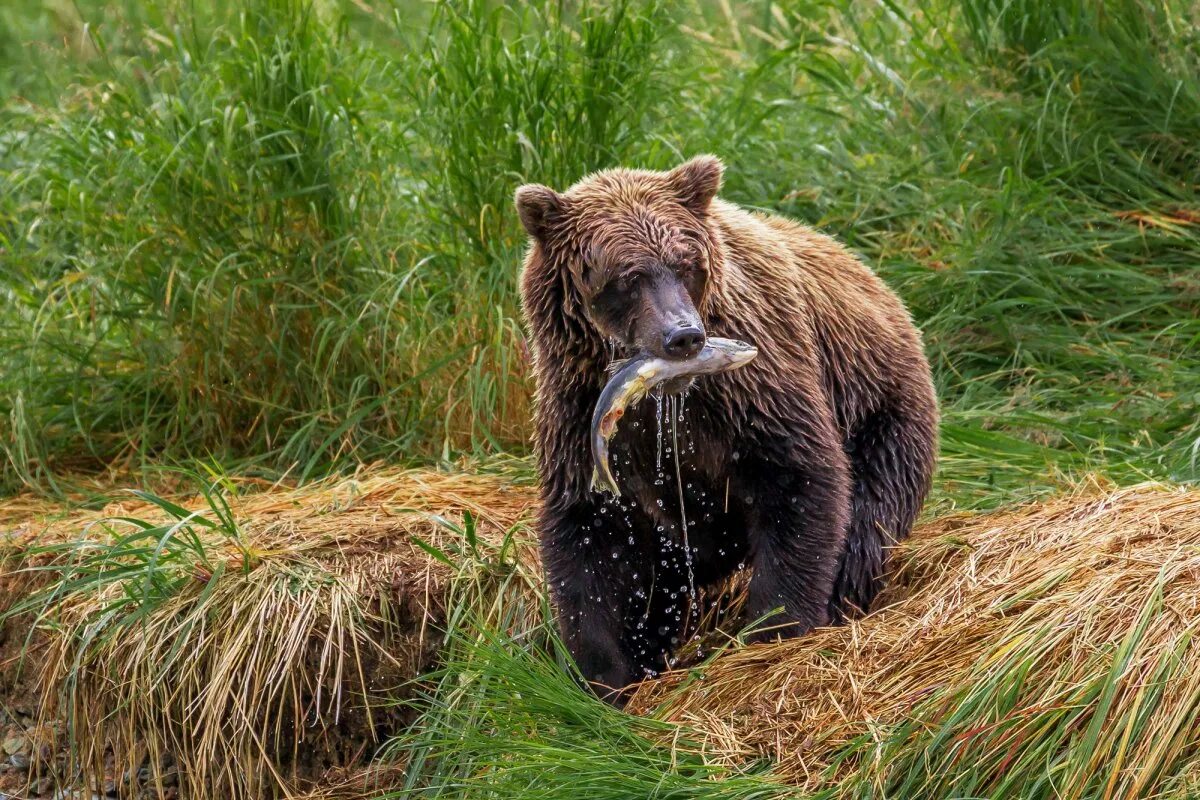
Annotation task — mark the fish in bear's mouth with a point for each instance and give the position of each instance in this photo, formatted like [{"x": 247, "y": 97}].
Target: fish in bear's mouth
[{"x": 633, "y": 378}]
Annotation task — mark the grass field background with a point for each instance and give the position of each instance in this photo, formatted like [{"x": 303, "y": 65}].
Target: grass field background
[
  {"x": 280, "y": 233},
  {"x": 277, "y": 236}
]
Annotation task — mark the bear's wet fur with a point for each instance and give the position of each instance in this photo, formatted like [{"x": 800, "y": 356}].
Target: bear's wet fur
[{"x": 804, "y": 465}]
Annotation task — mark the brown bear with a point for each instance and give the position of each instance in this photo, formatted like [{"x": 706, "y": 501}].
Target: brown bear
[{"x": 804, "y": 465}]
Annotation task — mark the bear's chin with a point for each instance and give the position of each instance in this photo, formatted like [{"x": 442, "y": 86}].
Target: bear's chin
[{"x": 678, "y": 385}]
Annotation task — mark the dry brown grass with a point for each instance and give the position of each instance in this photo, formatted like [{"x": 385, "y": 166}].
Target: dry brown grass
[
  {"x": 260, "y": 679},
  {"x": 1056, "y": 587},
  {"x": 264, "y": 682}
]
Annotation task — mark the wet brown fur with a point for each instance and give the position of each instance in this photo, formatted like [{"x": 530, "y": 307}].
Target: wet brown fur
[{"x": 805, "y": 465}]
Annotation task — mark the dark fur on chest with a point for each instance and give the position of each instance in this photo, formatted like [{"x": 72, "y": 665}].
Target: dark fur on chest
[{"x": 675, "y": 464}]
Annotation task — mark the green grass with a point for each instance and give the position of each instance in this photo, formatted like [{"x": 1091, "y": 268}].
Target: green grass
[
  {"x": 513, "y": 722},
  {"x": 281, "y": 234},
  {"x": 505, "y": 714}
]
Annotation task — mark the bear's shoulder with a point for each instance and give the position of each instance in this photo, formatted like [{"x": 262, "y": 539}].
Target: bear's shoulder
[{"x": 773, "y": 244}]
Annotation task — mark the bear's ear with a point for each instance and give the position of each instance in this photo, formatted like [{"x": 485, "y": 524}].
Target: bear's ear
[
  {"x": 538, "y": 206},
  {"x": 696, "y": 182}
]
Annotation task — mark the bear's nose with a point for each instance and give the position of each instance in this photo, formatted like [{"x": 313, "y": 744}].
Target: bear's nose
[{"x": 684, "y": 342}]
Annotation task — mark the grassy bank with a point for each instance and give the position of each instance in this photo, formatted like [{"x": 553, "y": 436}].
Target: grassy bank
[{"x": 270, "y": 639}]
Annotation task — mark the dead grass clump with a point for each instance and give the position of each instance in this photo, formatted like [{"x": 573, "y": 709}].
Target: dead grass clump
[
  {"x": 1046, "y": 651},
  {"x": 252, "y": 641}
]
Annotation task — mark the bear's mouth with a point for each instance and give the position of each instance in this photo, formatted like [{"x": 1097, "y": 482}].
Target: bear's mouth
[{"x": 620, "y": 355}]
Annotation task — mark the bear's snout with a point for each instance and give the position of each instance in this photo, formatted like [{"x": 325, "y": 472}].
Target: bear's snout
[{"x": 683, "y": 342}]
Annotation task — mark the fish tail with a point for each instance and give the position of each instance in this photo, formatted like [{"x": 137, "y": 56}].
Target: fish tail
[{"x": 603, "y": 483}]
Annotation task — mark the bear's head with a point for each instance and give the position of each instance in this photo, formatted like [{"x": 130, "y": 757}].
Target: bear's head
[{"x": 630, "y": 252}]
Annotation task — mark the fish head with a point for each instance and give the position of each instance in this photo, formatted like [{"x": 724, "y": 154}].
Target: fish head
[
  {"x": 739, "y": 353},
  {"x": 722, "y": 355}
]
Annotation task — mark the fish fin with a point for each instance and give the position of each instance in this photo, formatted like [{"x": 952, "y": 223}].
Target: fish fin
[{"x": 615, "y": 365}]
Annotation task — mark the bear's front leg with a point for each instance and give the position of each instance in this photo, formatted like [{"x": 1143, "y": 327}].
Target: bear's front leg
[
  {"x": 798, "y": 510},
  {"x": 591, "y": 572}
]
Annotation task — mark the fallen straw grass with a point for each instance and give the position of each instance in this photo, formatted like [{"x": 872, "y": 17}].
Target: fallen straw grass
[
  {"x": 1044, "y": 651},
  {"x": 258, "y": 640},
  {"x": 280, "y": 231},
  {"x": 1047, "y": 651}
]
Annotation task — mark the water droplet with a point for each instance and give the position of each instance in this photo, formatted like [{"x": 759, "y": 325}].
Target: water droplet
[
  {"x": 658, "y": 404},
  {"x": 682, "y": 506}
]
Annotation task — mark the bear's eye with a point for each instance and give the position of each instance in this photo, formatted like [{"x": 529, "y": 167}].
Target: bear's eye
[{"x": 611, "y": 298}]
